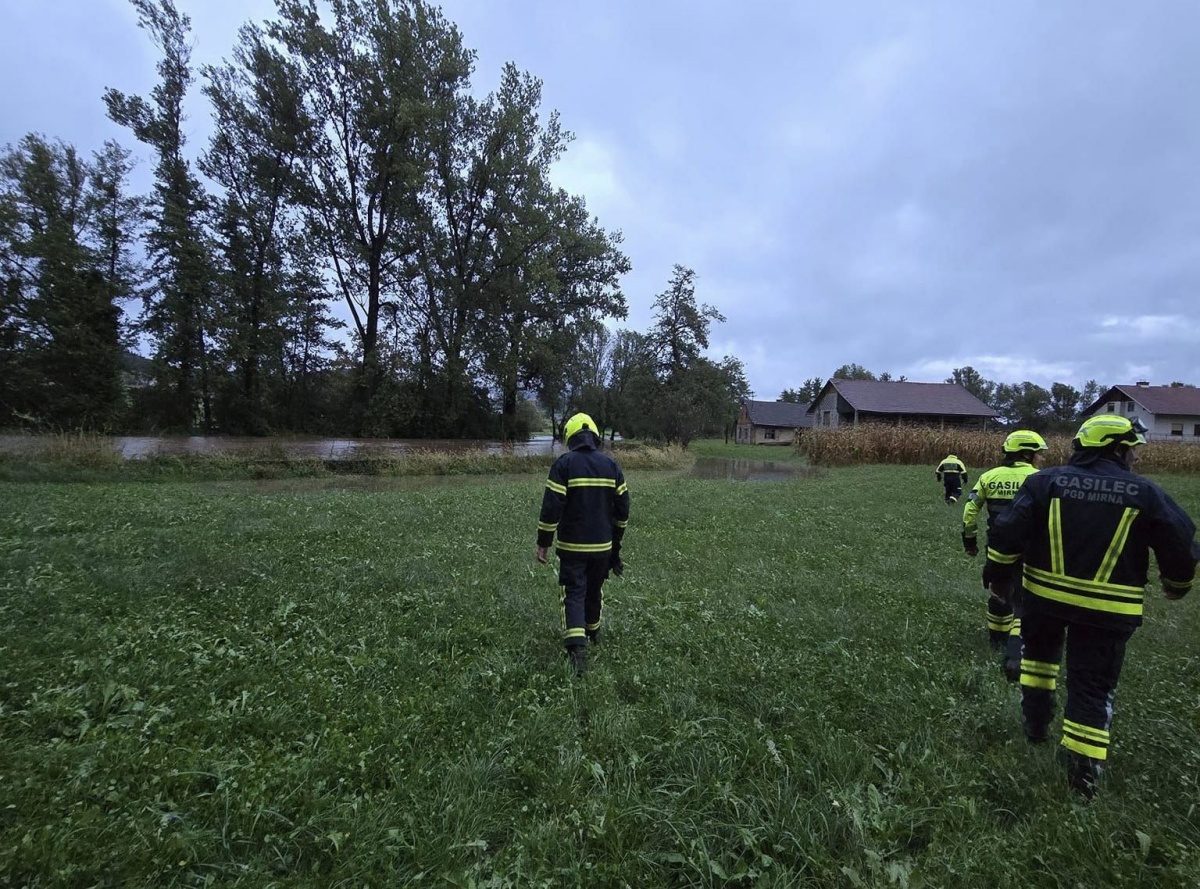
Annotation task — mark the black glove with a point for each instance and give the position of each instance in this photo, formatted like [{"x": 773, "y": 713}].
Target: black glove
[
  {"x": 971, "y": 545},
  {"x": 615, "y": 565},
  {"x": 993, "y": 573}
]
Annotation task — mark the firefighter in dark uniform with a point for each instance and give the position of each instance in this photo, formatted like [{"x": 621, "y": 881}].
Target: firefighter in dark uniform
[
  {"x": 1085, "y": 532},
  {"x": 995, "y": 490},
  {"x": 952, "y": 473},
  {"x": 586, "y": 504}
]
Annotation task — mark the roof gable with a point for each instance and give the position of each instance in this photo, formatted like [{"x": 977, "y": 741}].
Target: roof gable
[
  {"x": 888, "y": 397},
  {"x": 1167, "y": 400},
  {"x": 785, "y": 414}
]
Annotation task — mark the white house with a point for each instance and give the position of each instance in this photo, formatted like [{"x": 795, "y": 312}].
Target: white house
[{"x": 1171, "y": 413}]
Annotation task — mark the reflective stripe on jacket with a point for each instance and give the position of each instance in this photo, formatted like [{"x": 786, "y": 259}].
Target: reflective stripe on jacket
[
  {"x": 952, "y": 467},
  {"x": 585, "y": 504},
  {"x": 1085, "y": 532}
]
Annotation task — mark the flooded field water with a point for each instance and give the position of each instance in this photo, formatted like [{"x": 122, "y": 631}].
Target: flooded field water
[
  {"x": 138, "y": 447},
  {"x": 739, "y": 470},
  {"x": 133, "y": 447}
]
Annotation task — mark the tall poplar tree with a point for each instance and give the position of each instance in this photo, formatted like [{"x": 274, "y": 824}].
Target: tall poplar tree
[
  {"x": 177, "y": 310},
  {"x": 253, "y": 155},
  {"x": 364, "y": 77}
]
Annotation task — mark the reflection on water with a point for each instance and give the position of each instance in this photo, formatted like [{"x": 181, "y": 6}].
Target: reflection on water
[
  {"x": 132, "y": 447},
  {"x": 735, "y": 469},
  {"x": 368, "y": 484}
]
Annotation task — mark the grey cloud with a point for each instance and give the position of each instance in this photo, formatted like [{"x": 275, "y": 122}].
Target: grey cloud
[{"x": 913, "y": 187}]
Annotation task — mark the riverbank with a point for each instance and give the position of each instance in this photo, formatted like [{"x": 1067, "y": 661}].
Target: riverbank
[{"x": 90, "y": 459}]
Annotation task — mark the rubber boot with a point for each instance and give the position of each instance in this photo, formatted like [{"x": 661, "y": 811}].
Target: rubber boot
[
  {"x": 1083, "y": 773},
  {"x": 1012, "y": 658},
  {"x": 578, "y": 658}
]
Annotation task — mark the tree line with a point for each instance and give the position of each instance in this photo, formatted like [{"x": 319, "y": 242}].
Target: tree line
[
  {"x": 350, "y": 163},
  {"x": 1023, "y": 405}
]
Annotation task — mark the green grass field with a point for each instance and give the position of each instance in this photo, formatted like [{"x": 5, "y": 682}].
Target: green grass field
[{"x": 359, "y": 682}]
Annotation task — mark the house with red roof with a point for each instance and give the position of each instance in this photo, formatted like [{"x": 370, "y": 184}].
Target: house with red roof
[{"x": 1171, "y": 413}]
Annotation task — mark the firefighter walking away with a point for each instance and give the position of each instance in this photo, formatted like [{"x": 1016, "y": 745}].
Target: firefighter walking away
[
  {"x": 995, "y": 489},
  {"x": 586, "y": 506},
  {"x": 1085, "y": 532},
  {"x": 952, "y": 473}
]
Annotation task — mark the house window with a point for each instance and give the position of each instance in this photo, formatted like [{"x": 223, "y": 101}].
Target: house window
[
  {"x": 1129, "y": 407},
  {"x": 1177, "y": 429},
  {"x": 1112, "y": 407},
  {"x": 824, "y": 418},
  {"x": 1196, "y": 430},
  {"x": 769, "y": 435}
]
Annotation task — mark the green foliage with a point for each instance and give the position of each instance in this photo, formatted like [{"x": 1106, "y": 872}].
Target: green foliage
[
  {"x": 1025, "y": 405},
  {"x": 971, "y": 380},
  {"x": 271, "y": 322},
  {"x": 807, "y": 392},
  {"x": 854, "y": 372},
  {"x": 668, "y": 390},
  {"x": 1028, "y": 405},
  {"x": 61, "y": 263},
  {"x": 362, "y": 684},
  {"x": 178, "y": 305}
]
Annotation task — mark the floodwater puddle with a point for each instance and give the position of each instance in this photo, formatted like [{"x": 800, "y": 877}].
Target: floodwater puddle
[
  {"x": 735, "y": 469},
  {"x": 368, "y": 484}
]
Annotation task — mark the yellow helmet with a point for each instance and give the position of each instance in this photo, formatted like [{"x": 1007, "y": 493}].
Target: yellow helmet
[
  {"x": 1023, "y": 440},
  {"x": 1103, "y": 430},
  {"x": 578, "y": 423}
]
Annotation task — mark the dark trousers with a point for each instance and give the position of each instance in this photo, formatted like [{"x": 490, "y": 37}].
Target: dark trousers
[
  {"x": 1004, "y": 626},
  {"x": 1094, "y": 657},
  {"x": 582, "y": 581},
  {"x": 953, "y": 485},
  {"x": 999, "y": 620}
]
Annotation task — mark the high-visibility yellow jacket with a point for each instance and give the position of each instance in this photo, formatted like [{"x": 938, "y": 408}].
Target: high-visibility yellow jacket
[
  {"x": 1085, "y": 532},
  {"x": 952, "y": 466},
  {"x": 995, "y": 490},
  {"x": 586, "y": 502}
]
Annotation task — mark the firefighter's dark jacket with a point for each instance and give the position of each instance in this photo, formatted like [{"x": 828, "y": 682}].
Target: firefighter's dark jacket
[
  {"x": 1085, "y": 531},
  {"x": 586, "y": 502}
]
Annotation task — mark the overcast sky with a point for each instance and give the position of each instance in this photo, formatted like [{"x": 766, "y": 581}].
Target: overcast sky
[{"x": 911, "y": 187}]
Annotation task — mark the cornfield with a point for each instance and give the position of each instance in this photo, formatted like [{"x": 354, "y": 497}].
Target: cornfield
[{"x": 874, "y": 443}]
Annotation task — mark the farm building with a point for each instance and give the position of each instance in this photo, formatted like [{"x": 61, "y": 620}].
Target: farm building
[
  {"x": 771, "y": 422},
  {"x": 1171, "y": 413},
  {"x": 849, "y": 402}
]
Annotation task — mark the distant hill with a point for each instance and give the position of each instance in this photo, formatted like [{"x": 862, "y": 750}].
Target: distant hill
[{"x": 135, "y": 363}]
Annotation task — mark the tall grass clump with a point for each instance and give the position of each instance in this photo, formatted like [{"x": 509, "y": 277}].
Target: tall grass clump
[
  {"x": 85, "y": 450},
  {"x": 876, "y": 443}
]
